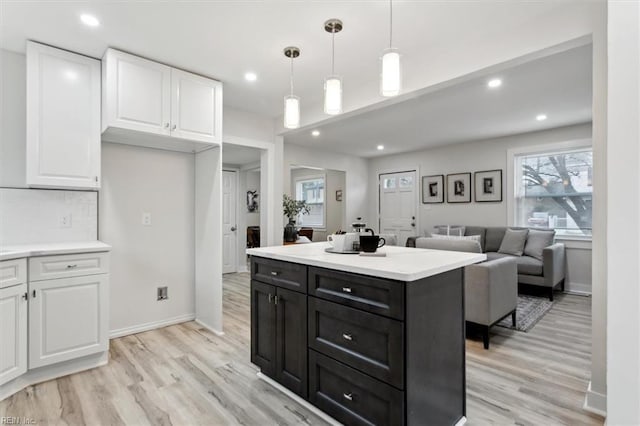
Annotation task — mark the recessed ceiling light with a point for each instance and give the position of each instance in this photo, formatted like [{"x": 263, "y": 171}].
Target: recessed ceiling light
[
  {"x": 89, "y": 20},
  {"x": 250, "y": 76},
  {"x": 496, "y": 82},
  {"x": 315, "y": 133},
  {"x": 541, "y": 117},
  {"x": 380, "y": 147}
]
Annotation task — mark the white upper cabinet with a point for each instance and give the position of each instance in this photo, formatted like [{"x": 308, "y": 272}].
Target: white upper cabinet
[
  {"x": 196, "y": 107},
  {"x": 143, "y": 99},
  {"x": 136, "y": 93},
  {"x": 63, "y": 118}
]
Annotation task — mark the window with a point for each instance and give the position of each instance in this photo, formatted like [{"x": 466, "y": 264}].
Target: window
[
  {"x": 554, "y": 190},
  {"x": 311, "y": 190}
]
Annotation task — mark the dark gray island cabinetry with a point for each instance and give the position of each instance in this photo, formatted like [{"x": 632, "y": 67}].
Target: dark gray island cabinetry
[{"x": 382, "y": 348}]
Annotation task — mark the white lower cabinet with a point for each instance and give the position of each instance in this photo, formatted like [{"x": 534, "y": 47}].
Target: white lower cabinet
[
  {"x": 13, "y": 332},
  {"x": 67, "y": 319}
]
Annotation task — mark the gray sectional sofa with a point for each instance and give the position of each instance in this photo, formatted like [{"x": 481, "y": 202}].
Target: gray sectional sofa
[{"x": 543, "y": 267}]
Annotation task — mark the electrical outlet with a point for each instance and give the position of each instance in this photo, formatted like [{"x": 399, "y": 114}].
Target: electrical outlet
[
  {"x": 163, "y": 293},
  {"x": 65, "y": 221},
  {"x": 146, "y": 219}
]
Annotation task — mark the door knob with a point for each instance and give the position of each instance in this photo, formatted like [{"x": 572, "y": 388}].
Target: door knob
[
  {"x": 166, "y": 125},
  {"x": 174, "y": 127},
  {"x": 233, "y": 228}
]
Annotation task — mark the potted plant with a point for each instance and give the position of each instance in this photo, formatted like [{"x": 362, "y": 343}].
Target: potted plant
[{"x": 292, "y": 208}]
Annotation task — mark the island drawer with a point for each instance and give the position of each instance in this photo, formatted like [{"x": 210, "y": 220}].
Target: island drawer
[
  {"x": 282, "y": 274},
  {"x": 370, "y": 294},
  {"x": 13, "y": 272},
  {"x": 365, "y": 341},
  {"x": 350, "y": 396},
  {"x": 69, "y": 265}
]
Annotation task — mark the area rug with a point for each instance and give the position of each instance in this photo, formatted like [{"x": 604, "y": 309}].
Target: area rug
[{"x": 530, "y": 310}]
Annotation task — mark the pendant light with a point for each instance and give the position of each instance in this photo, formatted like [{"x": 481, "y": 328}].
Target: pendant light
[
  {"x": 333, "y": 83},
  {"x": 291, "y": 102},
  {"x": 390, "y": 77}
]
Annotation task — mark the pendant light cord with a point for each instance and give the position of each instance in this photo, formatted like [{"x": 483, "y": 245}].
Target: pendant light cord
[
  {"x": 333, "y": 50},
  {"x": 291, "y": 75},
  {"x": 390, "y": 23}
]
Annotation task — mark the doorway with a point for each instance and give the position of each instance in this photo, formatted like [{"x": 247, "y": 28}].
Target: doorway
[
  {"x": 398, "y": 205},
  {"x": 229, "y": 221}
]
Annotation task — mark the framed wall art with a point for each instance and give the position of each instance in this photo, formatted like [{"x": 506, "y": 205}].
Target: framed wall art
[
  {"x": 459, "y": 188},
  {"x": 433, "y": 189},
  {"x": 488, "y": 186}
]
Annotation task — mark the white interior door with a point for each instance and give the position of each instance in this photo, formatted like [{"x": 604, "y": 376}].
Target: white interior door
[
  {"x": 229, "y": 227},
  {"x": 398, "y": 205}
]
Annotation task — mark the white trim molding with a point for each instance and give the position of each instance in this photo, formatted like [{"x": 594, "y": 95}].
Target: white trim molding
[
  {"x": 595, "y": 402},
  {"x": 125, "y": 331}
]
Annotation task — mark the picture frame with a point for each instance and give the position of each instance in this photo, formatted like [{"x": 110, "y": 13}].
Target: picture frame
[
  {"x": 459, "y": 188},
  {"x": 433, "y": 189},
  {"x": 488, "y": 186},
  {"x": 339, "y": 195}
]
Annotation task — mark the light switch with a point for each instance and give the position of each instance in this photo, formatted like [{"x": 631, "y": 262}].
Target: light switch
[
  {"x": 146, "y": 219},
  {"x": 65, "y": 221}
]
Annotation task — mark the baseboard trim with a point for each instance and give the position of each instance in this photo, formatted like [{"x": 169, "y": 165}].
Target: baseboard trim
[
  {"x": 242, "y": 268},
  {"x": 150, "y": 326},
  {"x": 579, "y": 289},
  {"x": 50, "y": 372},
  {"x": 595, "y": 402},
  {"x": 306, "y": 404},
  {"x": 208, "y": 327}
]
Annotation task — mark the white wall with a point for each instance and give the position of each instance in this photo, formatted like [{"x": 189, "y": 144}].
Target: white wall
[
  {"x": 476, "y": 156},
  {"x": 137, "y": 180},
  {"x": 34, "y": 216},
  {"x": 623, "y": 226},
  {"x": 246, "y": 125},
  {"x": 356, "y": 172},
  {"x": 334, "y": 210},
  {"x": 13, "y": 125}
]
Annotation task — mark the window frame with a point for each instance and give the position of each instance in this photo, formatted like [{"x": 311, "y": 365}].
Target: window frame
[
  {"x": 322, "y": 176},
  {"x": 513, "y": 176}
]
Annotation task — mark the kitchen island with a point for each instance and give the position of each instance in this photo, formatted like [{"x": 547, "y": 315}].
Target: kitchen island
[{"x": 367, "y": 340}]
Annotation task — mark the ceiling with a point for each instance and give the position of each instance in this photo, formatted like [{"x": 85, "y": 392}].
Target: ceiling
[
  {"x": 558, "y": 85},
  {"x": 225, "y": 39},
  {"x": 238, "y": 155}
]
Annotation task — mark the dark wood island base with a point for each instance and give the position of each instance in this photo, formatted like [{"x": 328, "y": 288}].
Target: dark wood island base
[{"x": 364, "y": 350}]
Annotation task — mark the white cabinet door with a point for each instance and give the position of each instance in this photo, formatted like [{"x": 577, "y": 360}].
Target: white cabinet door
[
  {"x": 67, "y": 319},
  {"x": 196, "y": 107},
  {"x": 13, "y": 332},
  {"x": 63, "y": 118},
  {"x": 137, "y": 93}
]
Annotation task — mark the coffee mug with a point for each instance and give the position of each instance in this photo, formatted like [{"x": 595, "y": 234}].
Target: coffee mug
[
  {"x": 337, "y": 241},
  {"x": 371, "y": 243}
]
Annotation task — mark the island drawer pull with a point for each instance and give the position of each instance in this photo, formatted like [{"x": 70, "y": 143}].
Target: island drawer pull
[
  {"x": 348, "y": 337},
  {"x": 71, "y": 266},
  {"x": 348, "y": 396},
  {"x": 270, "y": 297},
  {"x": 346, "y": 289},
  {"x": 275, "y": 273}
]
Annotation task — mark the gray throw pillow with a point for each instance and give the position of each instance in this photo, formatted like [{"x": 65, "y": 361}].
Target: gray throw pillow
[
  {"x": 513, "y": 241},
  {"x": 537, "y": 240}
]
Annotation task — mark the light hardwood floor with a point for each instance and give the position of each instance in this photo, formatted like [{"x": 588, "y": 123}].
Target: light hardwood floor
[{"x": 184, "y": 375}]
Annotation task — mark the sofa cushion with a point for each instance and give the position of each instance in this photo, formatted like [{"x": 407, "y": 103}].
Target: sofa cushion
[
  {"x": 514, "y": 241},
  {"x": 448, "y": 230},
  {"x": 493, "y": 238},
  {"x": 529, "y": 266},
  {"x": 526, "y": 265},
  {"x": 469, "y": 246},
  {"x": 477, "y": 230},
  {"x": 537, "y": 240},
  {"x": 455, "y": 237}
]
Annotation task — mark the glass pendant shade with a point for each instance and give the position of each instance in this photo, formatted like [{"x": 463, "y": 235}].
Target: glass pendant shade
[
  {"x": 291, "y": 112},
  {"x": 390, "y": 77},
  {"x": 333, "y": 95}
]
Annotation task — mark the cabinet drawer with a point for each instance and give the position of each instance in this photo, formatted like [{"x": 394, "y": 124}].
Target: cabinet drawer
[
  {"x": 282, "y": 274},
  {"x": 13, "y": 272},
  {"x": 370, "y": 294},
  {"x": 71, "y": 265},
  {"x": 368, "y": 342},
  {"x": 351, "y": 397}
]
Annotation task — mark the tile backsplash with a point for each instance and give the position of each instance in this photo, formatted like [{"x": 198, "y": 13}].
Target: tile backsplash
[{"x": 47, "y": 216}]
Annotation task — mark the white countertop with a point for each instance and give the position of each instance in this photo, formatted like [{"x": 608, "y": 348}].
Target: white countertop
[
  {"x": 48, "y": 249},
  {"x": 401, "y": 263}
]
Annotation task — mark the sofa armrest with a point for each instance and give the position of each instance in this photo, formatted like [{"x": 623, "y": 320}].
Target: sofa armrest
[
  {"x": 491, "y": 290},
  {"x": 553, "y": 264}
]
